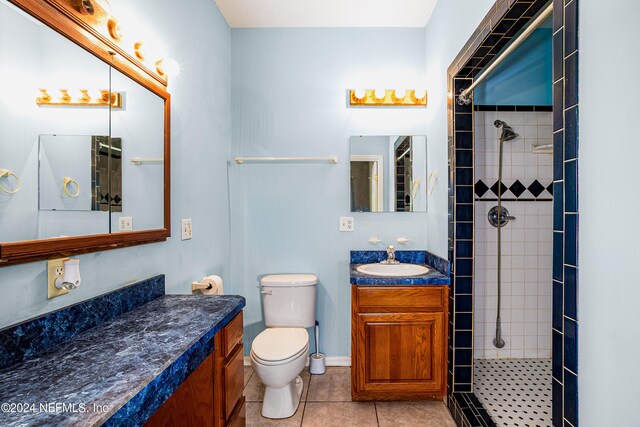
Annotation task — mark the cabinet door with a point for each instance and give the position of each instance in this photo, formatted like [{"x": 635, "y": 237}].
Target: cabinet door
[
  {"x": 191, "y": 404},
  {"x": 399, "y": 353}
]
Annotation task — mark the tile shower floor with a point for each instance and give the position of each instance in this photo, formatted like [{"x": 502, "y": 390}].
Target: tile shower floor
[
  {"x": 515, "y": 392},
  {"x": 326, "y": 402}
]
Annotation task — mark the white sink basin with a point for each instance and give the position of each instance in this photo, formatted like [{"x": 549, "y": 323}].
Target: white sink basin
[{"x": 393, "y": 270}]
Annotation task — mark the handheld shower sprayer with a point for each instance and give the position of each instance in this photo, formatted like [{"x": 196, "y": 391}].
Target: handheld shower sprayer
[{"x": 508, "y": 134}]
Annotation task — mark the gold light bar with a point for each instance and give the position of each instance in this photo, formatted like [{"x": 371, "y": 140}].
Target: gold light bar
[
  {"x": 84, "y": 100},
  {"x": 391, "y": 97}
]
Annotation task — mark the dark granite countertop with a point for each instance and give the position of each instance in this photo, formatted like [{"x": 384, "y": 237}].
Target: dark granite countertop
[
  {"x": 128, "y": 366},
  {"x": 433, "y": 277}
]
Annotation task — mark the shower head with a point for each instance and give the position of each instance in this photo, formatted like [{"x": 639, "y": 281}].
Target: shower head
[{"x": 508, "y": 134}]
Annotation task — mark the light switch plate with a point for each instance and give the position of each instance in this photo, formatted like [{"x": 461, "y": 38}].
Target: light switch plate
[
  {"x": 187, "y": 230},
  {"x": 54, "y": 269},
  {"x": 346, "y": 223},
  {"x": 125, "y": 223}
]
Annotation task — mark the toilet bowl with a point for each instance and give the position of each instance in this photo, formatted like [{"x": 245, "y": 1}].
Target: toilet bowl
[
  {"x": 278, "y": 355},
  {"x": 280, "y": 352}
]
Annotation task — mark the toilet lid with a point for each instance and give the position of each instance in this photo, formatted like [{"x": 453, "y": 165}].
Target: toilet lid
[{"x": 275, "y": 344}]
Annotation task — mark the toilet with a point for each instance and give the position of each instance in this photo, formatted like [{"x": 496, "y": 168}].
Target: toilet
[{"x": 280, "y": 352}]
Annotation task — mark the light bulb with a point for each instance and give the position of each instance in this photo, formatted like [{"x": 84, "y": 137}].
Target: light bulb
[
  {"x": 400, "y": 93},
  {"x": 95, "y": 94},
  {"x": 138, "y": 48},
  {"x": 171, "y": 67},
  {"x": 360, "y": 93},
  {"x": 380, "y": 93},
  {"x": 420, "y": 93}
]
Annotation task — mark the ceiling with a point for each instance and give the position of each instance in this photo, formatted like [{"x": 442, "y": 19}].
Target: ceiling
[{"x": 326, "y": 13}]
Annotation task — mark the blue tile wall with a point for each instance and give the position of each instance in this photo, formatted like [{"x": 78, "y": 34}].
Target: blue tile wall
[
  {"x": 571, "y": 186},
  {"x": 566, "y": 144},
  {"x": 37, "y": 336},
  {"x": 558, "y": 200},
  {"x": 558, "y": 301},
  {"x": 570, "y": 345},
  {"x": 571, "y": 239},
  {"x": 570, "y": 397},
  {"x": 570, "y": 134},
  {"x": 557, "y": 349},
  {"x": 570, "y": 292},
  {"x": 558, "y": 158},
  {"x": 558, "y": 46},
  {"x": 565, "y": 206},
  {"x": 558, "y": 248}
]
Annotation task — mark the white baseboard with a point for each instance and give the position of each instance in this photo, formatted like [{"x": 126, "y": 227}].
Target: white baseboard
[{"x": 329, "y": 361}]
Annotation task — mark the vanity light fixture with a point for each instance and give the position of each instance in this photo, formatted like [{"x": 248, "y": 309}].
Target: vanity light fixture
[
  {"x": 101, "y": 98},
  {"x": 388, "y": 97}
]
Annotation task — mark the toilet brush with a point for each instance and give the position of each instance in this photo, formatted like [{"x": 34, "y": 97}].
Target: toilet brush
[{"x": 316, "y": 364}]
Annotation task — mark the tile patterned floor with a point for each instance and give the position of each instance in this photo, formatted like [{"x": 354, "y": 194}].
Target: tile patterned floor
[
  {"x": 326, "y": 402},
  {"x": 515, "y": 392}
]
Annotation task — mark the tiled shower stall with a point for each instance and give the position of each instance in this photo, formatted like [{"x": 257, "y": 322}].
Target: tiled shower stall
[
  {"x": 503, "y": 22},
  {"x": 526, "y": 241}
]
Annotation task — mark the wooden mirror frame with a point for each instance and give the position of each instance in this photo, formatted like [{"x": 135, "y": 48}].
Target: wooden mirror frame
[{"x": 63, "y": 17}]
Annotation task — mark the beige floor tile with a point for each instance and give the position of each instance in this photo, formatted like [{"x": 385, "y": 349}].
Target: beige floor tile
[
  {"x": 254, "y": 390},
  {"x": 419, "y": 413},
  {"x": 333, "y": 386},
  {"x": 255, "y": 419},
  {"x": 339, "y": 414},
  {"x": 248, "y": 372}
]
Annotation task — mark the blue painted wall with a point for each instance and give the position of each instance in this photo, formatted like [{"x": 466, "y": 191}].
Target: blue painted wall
[
  {"x": 525, "y": 77},
  {"x": 200, "y": 139},
  {"x": 289, "y": 99}
]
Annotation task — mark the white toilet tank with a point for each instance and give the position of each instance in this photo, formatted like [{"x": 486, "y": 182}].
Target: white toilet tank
[{"x": 289, "y": 300}]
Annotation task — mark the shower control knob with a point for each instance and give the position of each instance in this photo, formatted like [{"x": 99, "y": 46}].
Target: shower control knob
[{"x": 503, "y": 217}]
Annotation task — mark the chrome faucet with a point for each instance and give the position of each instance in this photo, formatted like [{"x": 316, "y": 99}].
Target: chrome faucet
[{"x": 391, "y": 256}]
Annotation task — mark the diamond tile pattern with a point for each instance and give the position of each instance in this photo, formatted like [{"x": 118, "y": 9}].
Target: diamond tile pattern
[
  {"x": 481, "y": 188},
  {"x": 517, "y": 188},
  {"x": 499, "y": 187},
  {"x": 536, "y": 188}
]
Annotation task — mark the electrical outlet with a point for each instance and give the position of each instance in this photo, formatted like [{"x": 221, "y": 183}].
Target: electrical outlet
[
  {"x": 125, "y": 223},
  {"x": 55, "y": 268},
  {"x": 187, "y": 230},
  {"x": 346, "y": 223}
]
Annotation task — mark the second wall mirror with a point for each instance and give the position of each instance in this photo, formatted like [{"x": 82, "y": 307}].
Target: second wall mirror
[{"x": 388, "y": 173}]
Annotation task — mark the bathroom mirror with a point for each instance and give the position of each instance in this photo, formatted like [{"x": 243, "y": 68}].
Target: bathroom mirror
[
  {"x": 84, "y": 139},
  {"x": 388, "y": 173}
]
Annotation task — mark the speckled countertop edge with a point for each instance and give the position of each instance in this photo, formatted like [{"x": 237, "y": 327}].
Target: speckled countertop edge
[{"x": 433, "y": 277}]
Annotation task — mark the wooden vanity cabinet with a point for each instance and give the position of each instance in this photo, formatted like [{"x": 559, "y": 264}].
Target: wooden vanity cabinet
[
  {"x": 399, "y": 342},
  {"x": 212, "y": 394},
  {"x": 229, "y": 379}
]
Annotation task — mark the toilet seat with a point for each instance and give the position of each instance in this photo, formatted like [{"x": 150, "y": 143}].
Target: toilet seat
[{"x": 277, "y": 346}]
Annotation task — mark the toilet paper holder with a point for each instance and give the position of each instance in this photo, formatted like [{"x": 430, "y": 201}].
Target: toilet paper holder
[
  {"x": 209, "y": 285},
  {"x": 201, "y": 286}
]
